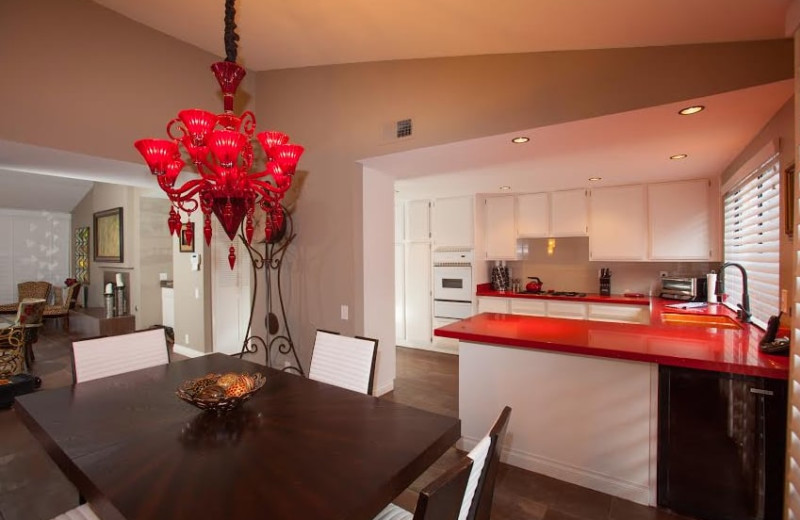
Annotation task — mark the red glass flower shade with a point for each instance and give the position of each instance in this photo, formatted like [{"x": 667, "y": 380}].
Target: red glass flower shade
[{"x": 220, "y": 148}]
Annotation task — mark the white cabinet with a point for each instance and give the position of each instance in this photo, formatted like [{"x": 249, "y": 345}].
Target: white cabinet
[
  {"x": 444, "y": 344},
  {"x": 680, "y": 220},
  {"x": 453, "y": 222},
  {"x": 618, "y": 223},
  {"x": 569, "y": 310},
  {"x": 418, "y": 220},
  {"x": 569, "y": 213},
  {"x": 533, "y": 215},
  {"x": 493, "y": 304},
  {"x": 501, "y": 228},
  {"x": 529, "y": 307},
  {"x": 418, "y": 311},
  {"x": 619, "y": 313}
]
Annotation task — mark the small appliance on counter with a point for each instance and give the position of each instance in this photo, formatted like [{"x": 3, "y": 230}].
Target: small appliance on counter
[
  {"x": 500, "y": 277},
  {"x": 534, "y": 286},
  {"x": 685, "y": 288},
  {"x": 605, "y": 281}
]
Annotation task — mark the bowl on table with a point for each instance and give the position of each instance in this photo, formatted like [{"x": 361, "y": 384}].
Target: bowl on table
[{"x": 220, "y": 392}]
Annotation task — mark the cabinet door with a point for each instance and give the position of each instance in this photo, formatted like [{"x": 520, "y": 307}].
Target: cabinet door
[
  {"x": 533, "y": 215},
  {"x": 680, "y": 220},
  {"x": 492, "y": 304},
  {"x": 618, "y": 223},
  {"x": 418, "y": 220},
  {"x": 501, "y": 228},
  {"x": 528, "y": 307},
  {"x": 453, "y": 222},
  {"x": 570, "y": 310},
  {"x": 619, "y": 313},
  {"x": 418, "y": 311},
  {"x": 569, "y": 213}
]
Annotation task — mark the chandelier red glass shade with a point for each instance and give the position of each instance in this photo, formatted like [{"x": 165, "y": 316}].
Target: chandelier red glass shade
[{"x": 220, "y": 148}]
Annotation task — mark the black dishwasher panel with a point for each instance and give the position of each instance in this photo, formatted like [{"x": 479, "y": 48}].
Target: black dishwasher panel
[{"x": 721, "y": 444}]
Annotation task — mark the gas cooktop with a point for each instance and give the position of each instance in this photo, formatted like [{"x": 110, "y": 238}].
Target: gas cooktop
[{"x": 556, "y": 293}]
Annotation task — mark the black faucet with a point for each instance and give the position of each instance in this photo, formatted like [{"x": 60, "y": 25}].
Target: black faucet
[{"x": 743, "y": 313}]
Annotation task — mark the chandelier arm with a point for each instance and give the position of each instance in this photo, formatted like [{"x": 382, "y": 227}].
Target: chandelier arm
[
  {"x": 181, "y": 192},
  {"x": 267, "y": 186}
]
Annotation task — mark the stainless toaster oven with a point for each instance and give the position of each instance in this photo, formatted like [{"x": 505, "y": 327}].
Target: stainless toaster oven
[{"x": 685, "y": 288}]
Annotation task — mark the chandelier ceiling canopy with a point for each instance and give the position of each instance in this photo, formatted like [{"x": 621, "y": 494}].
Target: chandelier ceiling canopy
[{"x": 220, "y": 148}]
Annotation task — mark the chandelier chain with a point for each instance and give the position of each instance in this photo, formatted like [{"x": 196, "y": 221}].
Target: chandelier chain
[{"x": 231, "y": 38}]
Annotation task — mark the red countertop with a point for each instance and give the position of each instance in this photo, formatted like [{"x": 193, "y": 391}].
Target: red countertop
[{"x": 692, "y": 346}]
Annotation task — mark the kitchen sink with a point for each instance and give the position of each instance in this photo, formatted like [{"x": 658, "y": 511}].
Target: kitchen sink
[{"x": 700, "y": 320}]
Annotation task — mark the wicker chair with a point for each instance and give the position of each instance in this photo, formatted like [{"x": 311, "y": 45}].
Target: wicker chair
[
  {"x": 62, "y": 311},
  {"x": 28, "y": 290}
]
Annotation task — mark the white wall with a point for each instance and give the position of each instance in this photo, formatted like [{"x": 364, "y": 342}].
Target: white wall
[{"x": 378, "y": 274}]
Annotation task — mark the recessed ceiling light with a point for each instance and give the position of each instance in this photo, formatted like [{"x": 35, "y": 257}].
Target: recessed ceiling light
[
  {"x": 505, "y": 187},
  {"x": 595, "y": 179},
  {"x": 521, "y": 139},
  {"x": 678, "y": 156},
  {"x": 691, "y": 110}
]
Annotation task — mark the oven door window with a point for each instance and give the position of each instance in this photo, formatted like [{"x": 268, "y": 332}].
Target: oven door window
[{"x": 452, "y": 283}]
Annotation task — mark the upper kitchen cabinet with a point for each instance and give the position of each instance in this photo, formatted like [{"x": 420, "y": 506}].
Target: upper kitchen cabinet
[
  {"x": 618, "y": 223},
  {"x": 453, "y": 222},
  {"x": 569, "y": 213},
  {"x": 501, "y": 228},
  {"x": 680, "y": 220},
  {"x": 533, "y": 215},
  {"x": 418, "y": 220}
]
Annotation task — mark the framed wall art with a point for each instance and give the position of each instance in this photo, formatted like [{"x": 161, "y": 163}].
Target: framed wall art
[
  {"x": 187, "y": 237},
  {"x": 108, "y": 236}
]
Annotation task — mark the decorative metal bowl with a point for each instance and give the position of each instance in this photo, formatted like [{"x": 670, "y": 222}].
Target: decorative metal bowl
[{"x": 220, "y": 392}]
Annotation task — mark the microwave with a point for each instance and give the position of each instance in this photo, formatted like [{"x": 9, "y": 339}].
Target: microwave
[{"x": 685, "y": 288}]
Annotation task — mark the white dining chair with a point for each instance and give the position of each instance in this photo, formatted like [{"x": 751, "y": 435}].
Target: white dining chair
[
  {"x": 439, "y": 500},
  {"x": 112, "y": 355},
  {"x": 344, "y": 361},
  {"x": 475, "y": 501},
  {"x": 83, "y": 512}
]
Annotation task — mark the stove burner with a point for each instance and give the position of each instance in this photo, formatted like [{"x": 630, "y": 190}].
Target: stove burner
[{"x": 556, "y": 293}]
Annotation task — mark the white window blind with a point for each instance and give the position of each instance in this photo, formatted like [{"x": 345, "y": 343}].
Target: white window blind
[
  {"x": 752, "y": 236},
  {"x": 793, "y": 438}
]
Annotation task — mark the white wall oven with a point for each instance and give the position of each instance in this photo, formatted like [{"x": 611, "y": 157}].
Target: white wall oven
[{"x": 452, "y": 284}]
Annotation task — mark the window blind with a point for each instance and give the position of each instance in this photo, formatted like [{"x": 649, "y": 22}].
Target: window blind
[
  {"x": 792, "y": 502},
  {"x": 752, "y": 239}
]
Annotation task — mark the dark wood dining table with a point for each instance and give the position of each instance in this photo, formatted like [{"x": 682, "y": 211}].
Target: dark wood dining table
[{"x": 298, "y": 449}]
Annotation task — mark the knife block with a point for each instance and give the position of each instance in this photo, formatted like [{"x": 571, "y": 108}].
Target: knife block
[{"x": 605, "y": 286}]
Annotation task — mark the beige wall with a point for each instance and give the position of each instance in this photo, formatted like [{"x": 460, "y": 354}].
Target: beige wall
[
  {"x": 79, "y": 77},
  {"x": 780, "y": 127},
  {"x": 339, "y": 112}
]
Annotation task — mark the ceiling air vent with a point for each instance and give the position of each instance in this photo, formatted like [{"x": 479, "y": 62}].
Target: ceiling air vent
[{"x": 403, "y": 128}]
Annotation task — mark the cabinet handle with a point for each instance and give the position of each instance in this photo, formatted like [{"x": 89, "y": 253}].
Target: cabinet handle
[{"x": 761, "y": 391}]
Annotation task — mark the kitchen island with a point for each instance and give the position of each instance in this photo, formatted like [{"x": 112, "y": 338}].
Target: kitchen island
[{"x": 585, "y": 393}]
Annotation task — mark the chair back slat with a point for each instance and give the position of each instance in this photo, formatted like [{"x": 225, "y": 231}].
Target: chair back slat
[
  {"x": 486, "y": 456},
  {"x": 112, "y": 355},
  {"x": 442, "y": 498},
  {"x": 344, "y": 361}
]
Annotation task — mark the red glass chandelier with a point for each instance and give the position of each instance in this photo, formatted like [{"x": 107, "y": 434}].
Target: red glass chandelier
[{"x": 220, "y": 148}]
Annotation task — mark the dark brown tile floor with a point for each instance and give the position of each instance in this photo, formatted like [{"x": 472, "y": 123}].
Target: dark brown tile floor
[{"x": 33, "y": 488}]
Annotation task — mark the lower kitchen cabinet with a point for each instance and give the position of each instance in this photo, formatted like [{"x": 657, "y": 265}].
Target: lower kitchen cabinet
[
  {"x": 492, "y": 304},
  {"x": 721, "y": 445}
]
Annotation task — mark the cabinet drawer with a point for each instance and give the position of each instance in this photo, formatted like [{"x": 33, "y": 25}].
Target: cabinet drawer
[
  {"x": 528, "y": 307},
  {"x": 491, "y": 304},
  {"x": 619, "y": 313},
  {"x": 570, "y": 310}
]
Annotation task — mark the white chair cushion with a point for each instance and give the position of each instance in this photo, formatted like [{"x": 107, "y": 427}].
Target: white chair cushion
[
  {"x": 83, "y": 512},
  {"x": 478, "y": 454},
  {"x": 393, "y": 512},
  {"x": 112, "y": 355}
]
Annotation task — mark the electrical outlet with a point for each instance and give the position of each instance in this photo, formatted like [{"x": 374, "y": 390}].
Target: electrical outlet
[
  {"x": 345, "y": 312},
  {"x": 662, "y": 274},
  {"x": 186, "y": 339}
]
